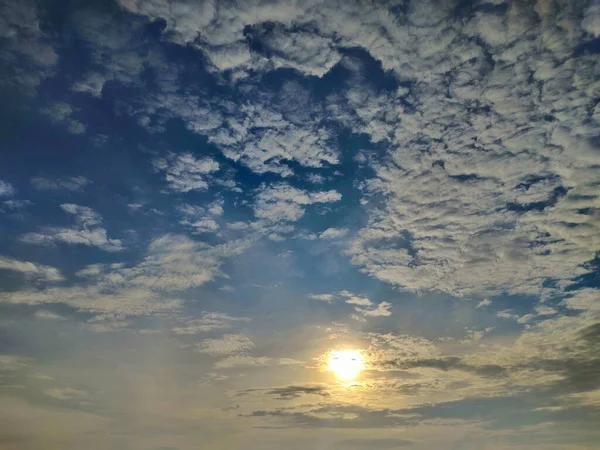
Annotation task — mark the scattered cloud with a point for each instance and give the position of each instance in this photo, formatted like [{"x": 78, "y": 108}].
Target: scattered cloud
[
  {"x": 73, "y": 184},
  {"x": 6, "y": 189},
  {"x": 333, "y": 233},
  {"x": 27, "y": 56},
  {"x": 483, "y": 303},
  {"x": 281, "y": 202},
  {"x": 242, "y": 361},
  {"x": 184, "y": 172},
  {"x": 208, "y": 321},
  {"x": 327, "y": 298},
  {"x": 61, "y": 113},
  {"x": 87, "y": 231},
  {"x": 44, "y": 314},
  {"x": 172, "y": 264},
  {"x": 66, "y": 394},
  {"x": 226, "y": 345},
  {"x": 36, "y": 272}
]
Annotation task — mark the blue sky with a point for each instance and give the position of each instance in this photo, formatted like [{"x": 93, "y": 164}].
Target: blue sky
[{"x": 200, "y": 201}]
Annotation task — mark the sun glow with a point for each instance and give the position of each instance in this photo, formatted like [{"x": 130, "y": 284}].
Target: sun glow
[{"x": 346, "y": 364}]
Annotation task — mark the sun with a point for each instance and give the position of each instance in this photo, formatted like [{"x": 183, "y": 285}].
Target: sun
[{"x": 346, "y": 364}]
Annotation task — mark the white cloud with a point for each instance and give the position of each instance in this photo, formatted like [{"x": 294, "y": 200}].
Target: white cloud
[
  {"x": 281, "y": 202},
  {"x": 585, "y": 299},
  {"x": 43, "y": 314},
  {"x": 487, "y": 206},
  {"x": 73, "y": 184},
  {"x": 87, "y": 232},
  {"x": 382, "y": 310},
  {"x": 184, "y": 172},
  {"x": 333, "y": 233},
  {"x": 327, "y": 298},
  {"x": 388, "y": 347},
  {"x": 315, "y": 178},
  {"x": 31, "y": 270},
  {"x": 172, "y": 264},
  {"x": 364, "y": 307},
  {"x": 360, "y": 301},
  {"x": 507, "y": 314},
  {"x": 6, "y": 189},
  {"x": 484, "y": 302}
]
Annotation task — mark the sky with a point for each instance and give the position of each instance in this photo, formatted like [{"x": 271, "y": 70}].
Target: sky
[{"x": 202, "y": 201}]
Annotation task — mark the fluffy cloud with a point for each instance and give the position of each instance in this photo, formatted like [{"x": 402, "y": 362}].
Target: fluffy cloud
[
  {"x": 86, "y": 232},
  {"x": 327, "y": 298},
  {"x": 281, "y": 202},
  {"x": 484, "y": 302},
  {"x": 333, "y": 233},
  {"x": 447, "y": 223},
  {"x": 31, "y": 270},
  {"x": 172, "y": 264},
  {"x": 200, "y": 220},
  {"x": 185, "y": 172},
  {"x": 365, "y": 307}
]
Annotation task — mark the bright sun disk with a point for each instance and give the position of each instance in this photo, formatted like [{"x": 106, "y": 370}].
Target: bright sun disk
[{"x": 346, "y": 364}]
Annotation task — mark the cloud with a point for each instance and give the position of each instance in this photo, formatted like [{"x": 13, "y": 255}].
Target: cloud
[
  {"x": 333, "y": 233},
  {"x": 382, "y": 310},
  {"x": 484, "y": 302},
  {"x": 61, "y": 113},
  {"x": 365, "y": 307},
  {"x": 66, "y": 394},
  {"x": 209, "y": 321},
  {"x": 327, "y": 298},
  {"x": 43, "y": 314},
  {"x": 242, "y": 361},
  {"x": 32, "y": 271},
  {"x": 27, "y": 56},
  {"x": 91, "y": 84},
  {"x": 184, "y": 172},
  {"x": 457, "y": 217},
  {"x": 289, "y": 392},
  {"x": 386, "y": 347},
  {"x": 6, "y": 189},
  {"x": 87, "y": 232},
  {"x": 226, "y": 345},
  {"x": 507, "y": 314},
  {"x": 375, "y": 443},
  {"x": 200, "y": 220},
  {"x": 281, "y": 202},
  {"x": 172, "y": 264},
  {"x": 352, "y": 299},
  {"x": 584, "y": 299},
  {"x": 73, "y": 184}
]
